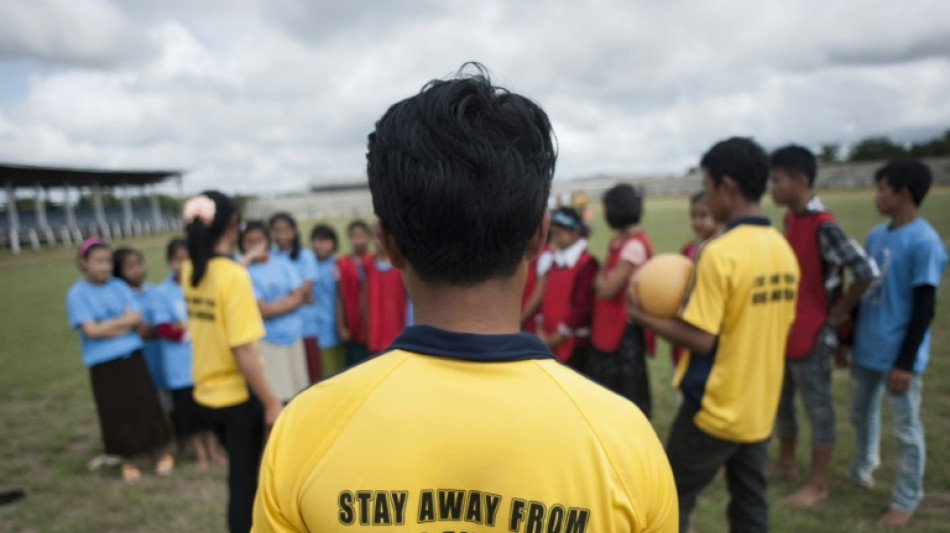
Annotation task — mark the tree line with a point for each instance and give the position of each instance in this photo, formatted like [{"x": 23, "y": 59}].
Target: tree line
[{"x": 883, "y": 148}]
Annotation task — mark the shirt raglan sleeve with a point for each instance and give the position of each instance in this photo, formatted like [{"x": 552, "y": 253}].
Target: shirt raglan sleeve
[
  {"x": 706, "y": 297},
  {"x": 270, "y": 513},
  {"x": 928, "y": 259},
  {"x": 296, "y": 280},
  {"x": 240, "y": 313},
  {"x": 311, "y": 271},
  {"x": 162, "y": 310},
  {"x": 128, "y": 298},
  {"x": 837, "y": 248},
  {"x": 78, "y": 309}
]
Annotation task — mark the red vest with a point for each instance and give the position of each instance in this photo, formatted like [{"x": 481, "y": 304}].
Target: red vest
[
  {"x": 386, "y": 297},
  {"x": 610, "y": 316},
  {"x": 556, "y": 304},
  {"x": 811, "y": 311},
  {"x": 350, "y": 294},
  {"x": 532, "y": 280}
]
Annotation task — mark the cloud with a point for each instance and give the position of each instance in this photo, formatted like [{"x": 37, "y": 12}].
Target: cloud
[
  {"x": 91, "y": 33},
  {"x": 266, "y": 96}
]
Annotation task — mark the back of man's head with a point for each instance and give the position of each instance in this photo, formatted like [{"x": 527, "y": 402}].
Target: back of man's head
[
  {"x": 741, "y": 159},
  {"x": 795, "y": 159},
  {"x": 460, "y": 175}
]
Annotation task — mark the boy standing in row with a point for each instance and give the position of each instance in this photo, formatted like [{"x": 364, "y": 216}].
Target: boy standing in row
[
  {"x": 734, "y": 321},
  {"x": 822, "y": 249},
  {"x": 892, "y": 338}
]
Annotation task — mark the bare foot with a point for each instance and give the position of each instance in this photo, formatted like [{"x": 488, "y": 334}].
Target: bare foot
[
  {"x": 201, "y": 466},
  {"x": 807, "y": 496},
  {"x": 219, "y": 460},
  {"x": 894, "y": 518},
  {"x": 788, "y": 471}
]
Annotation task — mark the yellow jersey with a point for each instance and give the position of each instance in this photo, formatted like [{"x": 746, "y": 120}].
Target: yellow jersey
[
  {"x": 222, "y": 314},
  {"x": 462, "y": 432},
  {"x": 743, "y": 291}
]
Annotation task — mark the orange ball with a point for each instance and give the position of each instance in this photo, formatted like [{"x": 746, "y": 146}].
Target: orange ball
[{"x": 661, "y": 284}]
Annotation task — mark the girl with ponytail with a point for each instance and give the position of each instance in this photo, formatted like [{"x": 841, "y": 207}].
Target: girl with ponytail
[{"x": 225, "y": 324}]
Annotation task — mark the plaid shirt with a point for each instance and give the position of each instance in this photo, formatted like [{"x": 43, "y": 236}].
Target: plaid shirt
[{"x": 837, "y": 251}]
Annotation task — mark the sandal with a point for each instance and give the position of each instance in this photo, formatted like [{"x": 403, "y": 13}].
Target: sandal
[
  {"x": 130, "y": 473},
  {"x": 165, "y": 465}
]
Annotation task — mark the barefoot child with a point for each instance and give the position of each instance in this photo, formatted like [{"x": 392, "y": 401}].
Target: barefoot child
[
  {"x": 283, "y": 229},
  {"x": 822, "y": 249},
  {"x": 892, "y": 334},
  {"x": 278, "y": 288},
  {"x": 128, "y": 264},
  {"x": 617, "y": 357},
  {"x": 351, "y": 293},
  {"x": 105, "y": 312},
  {"x": 705, "y": 228},
  {"x": 569, "y": 291},
  {"x": 323, "y": 240},
  {"x": 171, "y": 319}
]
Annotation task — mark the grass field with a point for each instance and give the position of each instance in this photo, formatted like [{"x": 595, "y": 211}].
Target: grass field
[{"x": 49, "y": 429}]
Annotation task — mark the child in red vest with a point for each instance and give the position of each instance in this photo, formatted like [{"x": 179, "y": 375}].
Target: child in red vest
[
  {"x": 617, "y": 356},
  {"x": 705, "y": 228},
  {"x": 351, "y": 293},
  {"x": 387, "y": 304},
  {"x": 534, "y": 288},
  {"x": 822, "y": 249},
  {"x": 569, "y": 292}
]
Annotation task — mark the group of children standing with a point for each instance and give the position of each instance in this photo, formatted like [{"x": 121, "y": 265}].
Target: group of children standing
[
  {"x": 580, "y": 310},
  {"x": 321, "y": 314}
]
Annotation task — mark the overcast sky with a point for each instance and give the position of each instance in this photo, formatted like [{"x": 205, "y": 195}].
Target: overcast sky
[{"x": 271, "y": 95}]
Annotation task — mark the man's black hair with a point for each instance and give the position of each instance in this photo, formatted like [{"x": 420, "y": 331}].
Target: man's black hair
[
  {"x": 202, "y": 237},
  {"x": 623, "y": 206},
  {"x": 460, "y": 175},
  {"x": 743, "y": 160},
  {"x": 908, "y": 174},
  {"x": 173, "y": 246},
  {"x": 325, "y": 232},
  {"x": 118, "y": 257},
  {"x": 796, "y": 159},
  {"x": 358, "y": 223},
  {"x": 295, "y": 241},
  {"x": 253, "y": 225}
]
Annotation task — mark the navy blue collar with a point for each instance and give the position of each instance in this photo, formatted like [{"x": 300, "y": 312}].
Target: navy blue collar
[
  {"x": 428, "y": 340},
  {"x": 752, "y": 221}
]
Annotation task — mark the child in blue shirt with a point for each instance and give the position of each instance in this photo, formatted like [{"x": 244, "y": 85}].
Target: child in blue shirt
[
  {"x": 891, "y": 343},
  {"x": 279, "y": 290},
  {"x": 128, "y": 264},
  {"x": 106, "y": 313},
  {"x": 286, "y": 236},
  {"x": 324, "y": 241},
  {"x": 171, "y": 319}
]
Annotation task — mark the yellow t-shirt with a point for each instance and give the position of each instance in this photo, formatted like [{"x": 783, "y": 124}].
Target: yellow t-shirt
[
  {"x": 489, "y": 433},
  {"x": 222, "y": 314},
  {"x": 743, "y": 290}
]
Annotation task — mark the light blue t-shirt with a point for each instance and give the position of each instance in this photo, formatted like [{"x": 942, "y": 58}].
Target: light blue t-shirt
[
  {"x": 86, "y": 302},
  {"x": 324, "y": 304},
  {"x": 909, "y": 256},
  {"x": 151, "y": 349},
  {"x": 272, "y": 281},
  {"x": 176, "y": 355},
  {"x": 307, "y": 266}
]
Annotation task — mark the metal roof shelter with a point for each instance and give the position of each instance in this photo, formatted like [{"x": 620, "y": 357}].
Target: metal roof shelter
[{"x": 42, "y": 179}]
